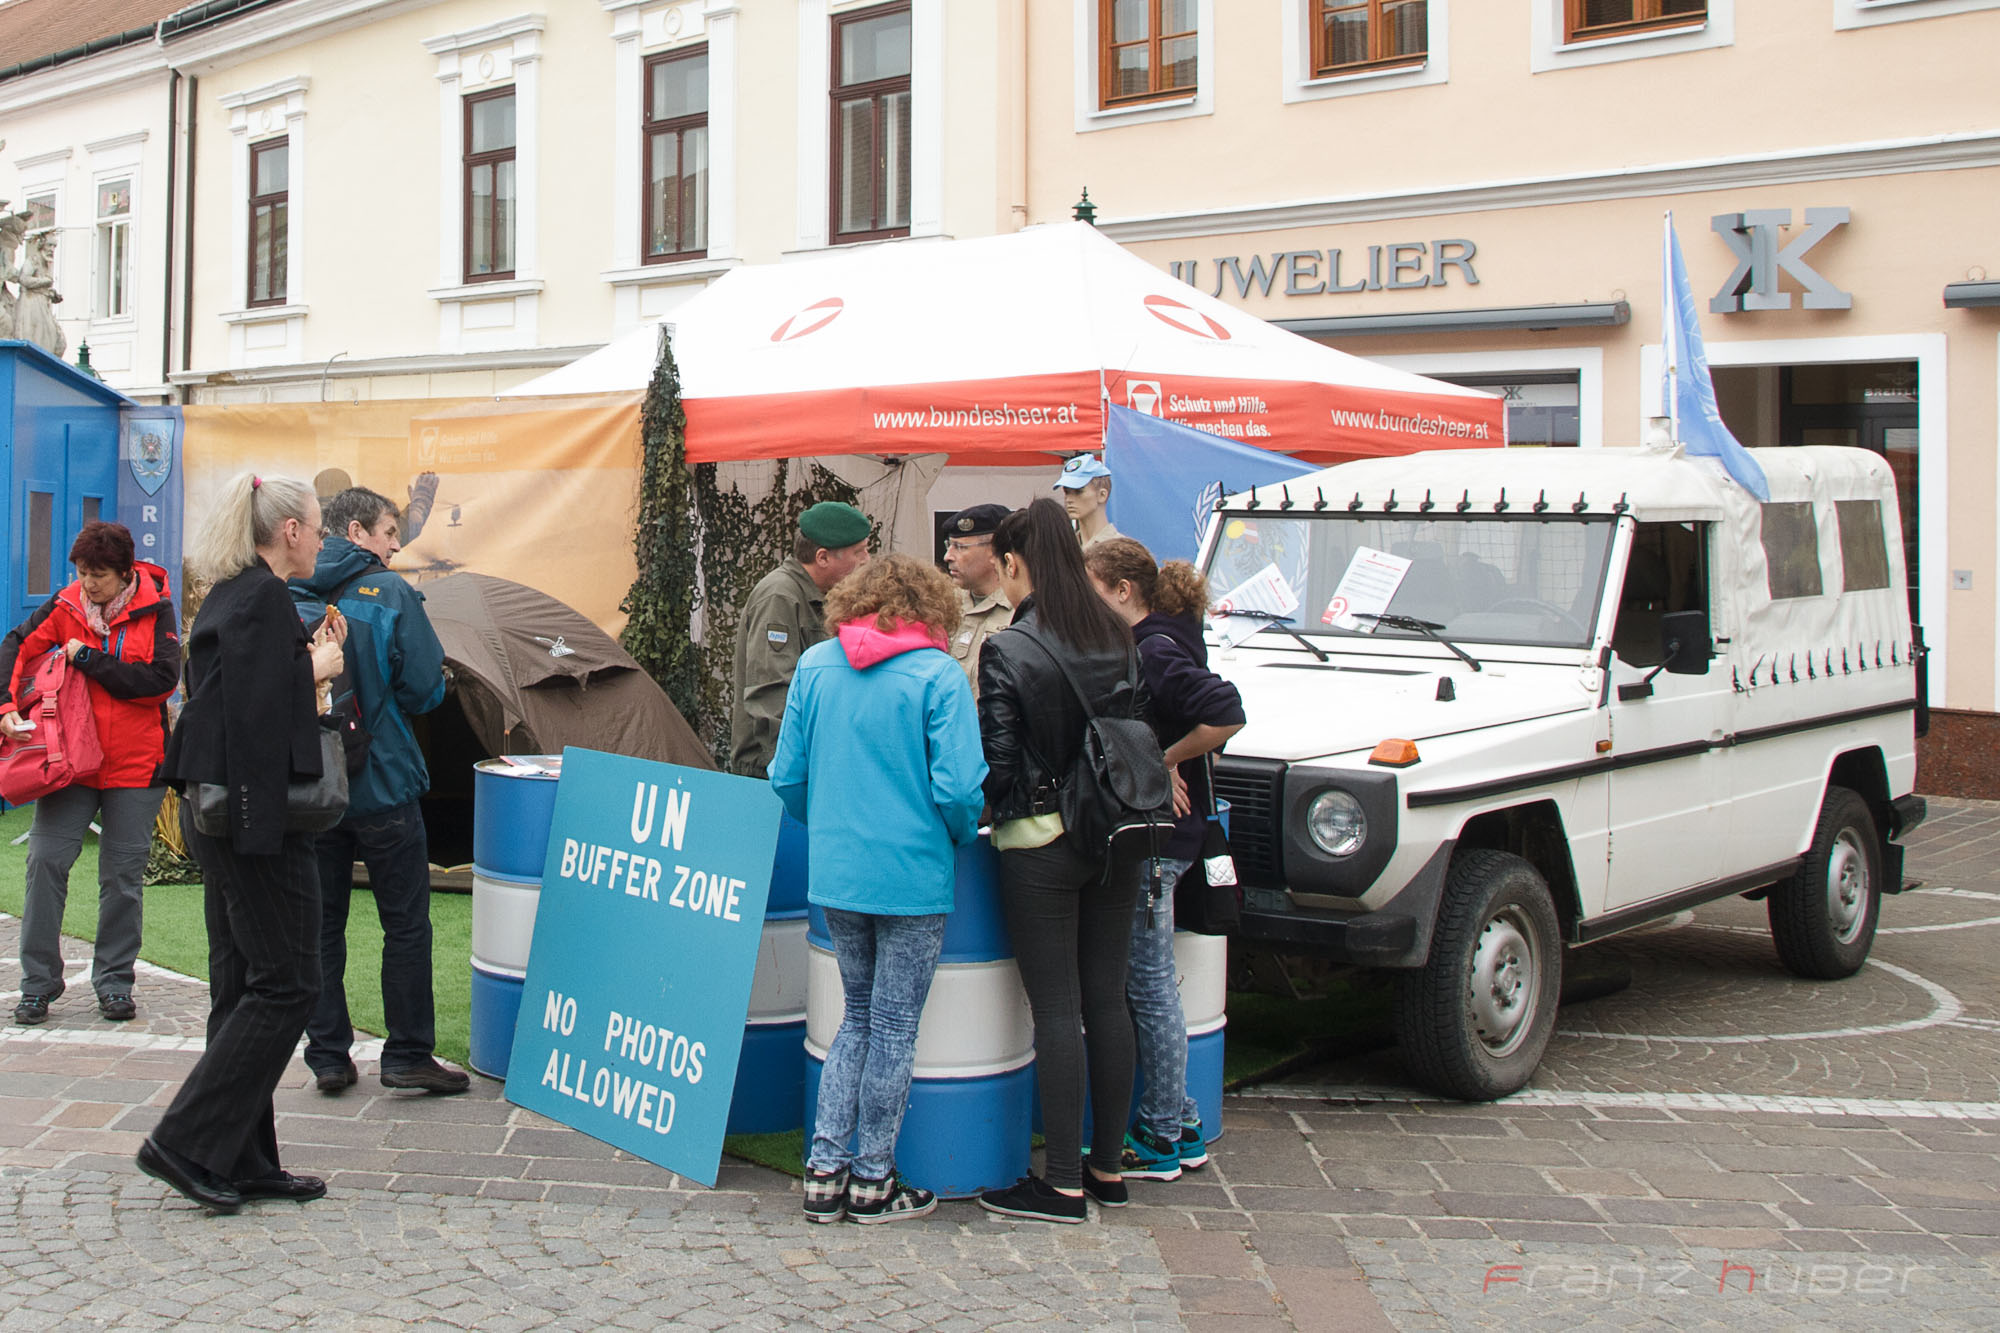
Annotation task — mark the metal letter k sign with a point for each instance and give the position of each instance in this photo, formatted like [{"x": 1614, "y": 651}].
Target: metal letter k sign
[{"x": 1753, "y": 237}]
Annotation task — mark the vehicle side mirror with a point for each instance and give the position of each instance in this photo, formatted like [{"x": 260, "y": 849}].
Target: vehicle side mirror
[{"x": 1689, "y": 646}]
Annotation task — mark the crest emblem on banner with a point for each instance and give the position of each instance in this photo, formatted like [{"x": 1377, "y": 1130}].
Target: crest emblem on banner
[{"x": 152, "y": 454}]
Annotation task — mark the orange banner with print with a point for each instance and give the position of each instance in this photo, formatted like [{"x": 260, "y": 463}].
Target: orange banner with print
[{"x": 542, "y": 492}]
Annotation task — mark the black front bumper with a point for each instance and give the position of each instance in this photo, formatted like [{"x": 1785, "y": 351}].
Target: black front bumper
[{"x": 1399, "y": 935}]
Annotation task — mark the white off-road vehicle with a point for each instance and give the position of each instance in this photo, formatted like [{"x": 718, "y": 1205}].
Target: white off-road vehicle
[{"x": 1502, "y": 702}]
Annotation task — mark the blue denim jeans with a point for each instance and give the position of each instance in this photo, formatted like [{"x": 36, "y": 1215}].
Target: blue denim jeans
[
  {"x": 886, "y": 965},
  {"x": 1152, "y": 992},
  {"x": 393, "y": 845}
]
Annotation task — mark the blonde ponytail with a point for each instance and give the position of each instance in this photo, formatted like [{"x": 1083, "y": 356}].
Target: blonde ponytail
[{"x": 248, "y": 515}]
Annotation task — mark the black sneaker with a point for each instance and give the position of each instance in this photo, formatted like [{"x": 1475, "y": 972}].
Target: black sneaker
[
  {"x": 430, "y": 1076},
  {"x": 826, "y": 1195},
  {"x": 32, "y": 1009},
  {"x": 1109, "y": 1193},
  {"x": 1035, "y": 1199},
  {"x": 117, "y": 1007},
  {"x": 333, "y": 1082},
  {"x": 889, "y": 1200}
]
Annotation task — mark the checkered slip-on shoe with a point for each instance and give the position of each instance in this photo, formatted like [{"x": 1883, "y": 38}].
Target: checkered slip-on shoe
[
  {"x": 890, "y": 1200},
  {"x": 826, "y": 1195}
]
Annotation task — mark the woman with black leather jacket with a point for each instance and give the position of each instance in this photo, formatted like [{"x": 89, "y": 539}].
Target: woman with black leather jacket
[{"x": 1069, "y": 915}]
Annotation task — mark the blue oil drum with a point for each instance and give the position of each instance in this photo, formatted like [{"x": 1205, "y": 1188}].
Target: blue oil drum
[
  {"x": 769, "y": 1097},
  {"x": 512, "y": 809}
]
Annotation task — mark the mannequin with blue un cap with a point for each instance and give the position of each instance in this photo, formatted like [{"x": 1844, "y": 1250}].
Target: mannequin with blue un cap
[{"x": 1085, "y": 484}]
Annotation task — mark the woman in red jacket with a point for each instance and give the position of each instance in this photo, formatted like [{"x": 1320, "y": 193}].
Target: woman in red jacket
[{"x": 116, "y": 626}]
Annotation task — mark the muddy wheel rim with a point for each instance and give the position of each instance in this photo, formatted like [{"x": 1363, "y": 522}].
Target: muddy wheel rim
[
  {"x": 1847, "y": 886},
  {"x": 1505, "y": 983}
]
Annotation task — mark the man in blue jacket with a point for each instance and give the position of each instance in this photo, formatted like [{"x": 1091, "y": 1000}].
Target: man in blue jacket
[{"x": 396, "y": 667}]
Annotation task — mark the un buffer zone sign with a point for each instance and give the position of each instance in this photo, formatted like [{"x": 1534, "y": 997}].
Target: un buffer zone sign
[{"x": 645, "y": 946}]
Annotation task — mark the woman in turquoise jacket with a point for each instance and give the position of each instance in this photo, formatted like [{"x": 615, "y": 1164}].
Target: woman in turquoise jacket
[{"x": 879, "y": 756}]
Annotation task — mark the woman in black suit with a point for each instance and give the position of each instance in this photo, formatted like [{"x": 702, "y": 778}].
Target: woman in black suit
[{"x": 251, "y": 725}]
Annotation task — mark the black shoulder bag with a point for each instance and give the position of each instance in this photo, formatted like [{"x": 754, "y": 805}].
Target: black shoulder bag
[
  {"x": 1207, "y": 900},
  {"x": 1116, "y": 794}
]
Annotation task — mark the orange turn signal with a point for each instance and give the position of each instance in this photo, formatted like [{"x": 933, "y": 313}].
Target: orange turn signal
[{"x": 1395, "y": 754}]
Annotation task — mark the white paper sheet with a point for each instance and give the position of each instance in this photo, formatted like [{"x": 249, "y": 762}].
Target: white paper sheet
[
  {"x": 1368, "y": 586},
  {"x": 1266, "y": 591}
]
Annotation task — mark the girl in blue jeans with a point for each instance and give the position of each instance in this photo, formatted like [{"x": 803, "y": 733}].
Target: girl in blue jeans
[
  {"x": 879, "y": 756},
  {"x": 1194, "y": 712}
]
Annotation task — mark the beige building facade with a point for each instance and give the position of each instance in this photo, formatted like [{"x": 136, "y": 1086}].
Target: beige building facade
[{"x": 1477, "y": 191}]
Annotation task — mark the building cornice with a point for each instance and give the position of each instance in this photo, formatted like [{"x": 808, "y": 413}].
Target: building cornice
[
  {"x": 269, "y": 92},
  {"x": 486, "y": 34},
  {"x": 523, "y": 358},
  {"x": 107, "y": 72},
  {"x": 1953, "y": 152},
  {"x": 266, "y": 31}
]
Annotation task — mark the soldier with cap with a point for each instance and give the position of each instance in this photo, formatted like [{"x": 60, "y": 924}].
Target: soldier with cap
[
  {"x": 781, "y": 620},
  {"x": 1086, "y": 486},
  {"x": 983, "y": 605}
]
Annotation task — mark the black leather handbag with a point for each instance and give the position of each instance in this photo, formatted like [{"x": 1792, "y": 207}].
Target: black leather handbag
[{"x": 312, "y": 806}]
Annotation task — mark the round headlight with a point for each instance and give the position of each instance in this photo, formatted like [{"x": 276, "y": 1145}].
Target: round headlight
[{"x": 1336, "y": 823}]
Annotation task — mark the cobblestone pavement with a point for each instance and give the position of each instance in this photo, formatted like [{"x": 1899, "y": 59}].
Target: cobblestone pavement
[{"x": 1717, "y": 1143}]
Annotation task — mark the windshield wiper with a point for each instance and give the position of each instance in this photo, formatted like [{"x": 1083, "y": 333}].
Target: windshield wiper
[
  {"x": 1427, "y": 628},
  {"x": 1283, "y": 623}
]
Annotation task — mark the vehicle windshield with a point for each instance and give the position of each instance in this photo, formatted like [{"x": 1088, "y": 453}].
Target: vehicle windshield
[{"x": 1527, "y": 580}]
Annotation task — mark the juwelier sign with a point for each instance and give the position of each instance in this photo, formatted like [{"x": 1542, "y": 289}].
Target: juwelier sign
[{"x": 1395, "y": 267}]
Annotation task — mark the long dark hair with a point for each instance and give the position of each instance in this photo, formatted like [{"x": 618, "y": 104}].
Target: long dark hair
[{"x": 1041, "y": 537}]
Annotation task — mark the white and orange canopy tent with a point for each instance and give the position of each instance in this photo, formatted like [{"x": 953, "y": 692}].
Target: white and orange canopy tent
[{"x": 1007, "y": 349}]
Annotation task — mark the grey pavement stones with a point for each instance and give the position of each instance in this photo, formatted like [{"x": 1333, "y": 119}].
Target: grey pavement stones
[{"x": 1690, "y": 1138}]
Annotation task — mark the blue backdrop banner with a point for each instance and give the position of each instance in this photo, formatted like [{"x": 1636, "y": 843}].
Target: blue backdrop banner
[
  {"x": 645, "y": 945},
  {"x": 1166, "y": 478}
]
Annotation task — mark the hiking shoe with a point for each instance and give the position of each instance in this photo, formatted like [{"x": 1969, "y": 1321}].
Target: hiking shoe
[
  {"x": 333, "y": 1082},
  {"x": 826, "y": 1195},
  {"x": 117, "y": 1007},
  {"x": 1109, "y": 1193},
  {"x": 1035, "y": 1199},
  {"x": 887, "y": 1200},
  {"x": 430, "y": 1076},
  {"x": 1150, "y": 1157},
  {"x": 1194, "y": 1147},
  {"x": 32, "y": 1009}
]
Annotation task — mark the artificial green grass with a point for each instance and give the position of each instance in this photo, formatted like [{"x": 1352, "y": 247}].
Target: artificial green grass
[{"x": 176, "y": 937}]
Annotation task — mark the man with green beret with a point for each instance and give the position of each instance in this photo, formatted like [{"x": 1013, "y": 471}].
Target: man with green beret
[
  {"x": 782, "y": 619},
  {"x": 982, "y": 602}
]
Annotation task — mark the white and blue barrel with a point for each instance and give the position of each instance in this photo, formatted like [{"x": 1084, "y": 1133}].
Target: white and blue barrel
[
  {"x": 512, "y": 809},
  {"x": 1201, "y": 964},
  {"x": 967, "y": 1127},
  {"x": 769, "y": 1096}
]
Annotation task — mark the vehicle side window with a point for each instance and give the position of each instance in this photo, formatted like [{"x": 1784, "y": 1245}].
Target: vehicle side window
[
  {"x": 1864, "y": 555},
  {"x": 1667, "y": 571},
  {"x": 1791, "y": 549}
]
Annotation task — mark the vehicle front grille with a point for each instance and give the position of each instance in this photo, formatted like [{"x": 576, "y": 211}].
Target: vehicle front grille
[{"x": 1254, "y": 789}]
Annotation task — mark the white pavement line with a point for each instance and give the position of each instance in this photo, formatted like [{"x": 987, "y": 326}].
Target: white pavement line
[
  {"x": 130, "y": 1040},
  {"x": 1945, "y": 1008},
  {"x": 1657, "y": 1101}
]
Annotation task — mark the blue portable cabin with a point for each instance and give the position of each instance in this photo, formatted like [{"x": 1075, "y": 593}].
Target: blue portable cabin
[{"x": 59, "y": 434}]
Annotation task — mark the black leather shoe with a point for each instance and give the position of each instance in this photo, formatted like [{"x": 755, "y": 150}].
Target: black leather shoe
[
  {"x": 284, "y": 1185},
  {"x": 189, "y": 1178},
  {"x": 333, "y": 1082},
  {"x": 117, "y": 1007},
  {"x": 430, "y": 1076}
]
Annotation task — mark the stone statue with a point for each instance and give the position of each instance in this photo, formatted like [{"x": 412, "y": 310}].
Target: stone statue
[
  {"x": 34, "y": 309},
  {"x": 11, "y": 225}
]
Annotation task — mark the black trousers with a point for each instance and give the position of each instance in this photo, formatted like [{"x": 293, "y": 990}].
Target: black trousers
[
  {"x": 263, "y": 979},
  {"x": 1072, "y": 935}
]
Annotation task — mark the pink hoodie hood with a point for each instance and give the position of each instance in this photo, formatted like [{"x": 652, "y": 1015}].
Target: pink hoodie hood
[{"x": 865, "y": 645}]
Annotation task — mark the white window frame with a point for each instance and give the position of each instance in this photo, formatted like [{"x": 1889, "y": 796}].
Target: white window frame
[
  {"x": 815, "y": 31},
  {"x": 641, "y": 29},
  {"x": 118, "y": 158},
  {"x": 270, "y": 334},
  {"x": 1548, "y": 51},
  {"x": 1090, "y": 116},
  {"x": 1928, "y": 350},
  {"x": 1587, "y": 362},
  {"x": 503, "y": 314},
  {"x": 1301, "y": 85},
  {"x": 1873, "y": 13}
]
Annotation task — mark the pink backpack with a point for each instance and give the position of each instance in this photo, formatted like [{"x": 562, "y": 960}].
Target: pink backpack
[{"x": 63, "y": 749}]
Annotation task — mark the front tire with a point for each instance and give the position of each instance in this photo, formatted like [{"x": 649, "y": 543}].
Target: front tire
[
  {"x": 1474, "y": 1020},
  {"x": 1823, "y": 918}
]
